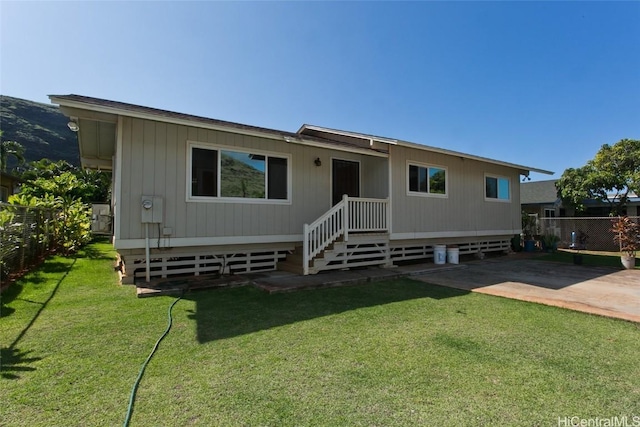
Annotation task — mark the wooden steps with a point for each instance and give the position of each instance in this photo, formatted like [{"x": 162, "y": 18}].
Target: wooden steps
[{"x": 361, "y": 250}]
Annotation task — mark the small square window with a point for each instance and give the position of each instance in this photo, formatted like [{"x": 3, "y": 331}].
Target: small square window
[
  {"x": 497, "y": 188},
  {"x": 427, "y": 180}
]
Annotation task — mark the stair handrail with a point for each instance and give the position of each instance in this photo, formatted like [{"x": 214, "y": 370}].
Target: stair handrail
[
  {"x": 324, "y": 231},
  {"x": 349, "y": 214}
]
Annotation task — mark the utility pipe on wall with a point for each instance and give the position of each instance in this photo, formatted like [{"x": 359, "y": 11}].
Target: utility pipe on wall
[{"x": 146, "y": 250}]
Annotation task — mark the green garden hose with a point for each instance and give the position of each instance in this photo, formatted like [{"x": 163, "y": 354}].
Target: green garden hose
[{"x": 132, "y": 398}]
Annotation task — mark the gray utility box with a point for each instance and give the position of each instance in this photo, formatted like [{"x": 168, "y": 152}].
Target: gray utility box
[{"x": 152, "y": 209}]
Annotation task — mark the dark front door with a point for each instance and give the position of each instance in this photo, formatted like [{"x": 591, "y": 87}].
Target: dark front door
[{"x": 345, "y": 179}]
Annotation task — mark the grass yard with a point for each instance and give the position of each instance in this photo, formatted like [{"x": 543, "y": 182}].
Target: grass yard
[
  {"x": 589, "y": 258},
  {"x": 391, "y": 353}
]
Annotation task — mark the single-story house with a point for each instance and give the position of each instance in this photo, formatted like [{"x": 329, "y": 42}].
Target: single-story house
[
  {"x": 8, "y": 186},
  {"x": 541, "y": 198},
  {"x": 193, "y": 195}
]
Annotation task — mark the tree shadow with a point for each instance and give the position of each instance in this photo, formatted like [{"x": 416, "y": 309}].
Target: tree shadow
[
  {"x": 93, "y": 253},
  {"x": 226, "y": 313},
  {"x": 13, "y": 360},
  {"x": 90, "y": 251},
  {"x": 13, "y": 291},
  {"x": 7, "y": 296}
]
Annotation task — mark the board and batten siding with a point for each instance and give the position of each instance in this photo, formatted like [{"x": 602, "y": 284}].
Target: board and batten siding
[
  {"x": 154, "y": 162},
  {"x": 464, "y": 211}
]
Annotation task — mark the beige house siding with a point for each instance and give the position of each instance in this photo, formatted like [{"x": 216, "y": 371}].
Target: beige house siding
[
  {"x": 154, "y": 162},
  {"x": 464, "y": 211}
]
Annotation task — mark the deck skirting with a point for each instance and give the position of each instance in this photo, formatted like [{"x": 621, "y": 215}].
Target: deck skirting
[{"x": 361, "y": 250}]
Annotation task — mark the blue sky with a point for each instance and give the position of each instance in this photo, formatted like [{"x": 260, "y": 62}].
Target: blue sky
[{"x": 543, "y": 84}]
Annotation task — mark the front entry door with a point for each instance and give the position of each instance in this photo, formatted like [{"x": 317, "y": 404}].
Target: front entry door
[{"x": 345, "y": 179}]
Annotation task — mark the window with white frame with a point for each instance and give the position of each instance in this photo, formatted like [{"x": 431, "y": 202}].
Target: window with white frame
[
  {"x": 426, "y": 180},
  {"x": 221, "y": 173},
  {"x": 497, "y": 188}
]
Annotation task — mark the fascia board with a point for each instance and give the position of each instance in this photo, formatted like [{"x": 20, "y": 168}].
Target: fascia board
[
  {"x": 523, "y": 169},
  {"x": 297, "y": 139}
]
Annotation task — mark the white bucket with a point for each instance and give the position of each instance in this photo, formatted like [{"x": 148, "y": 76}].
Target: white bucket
[
  {"x": 439, "y": 254},
  {"x": 453, "y": 254}
]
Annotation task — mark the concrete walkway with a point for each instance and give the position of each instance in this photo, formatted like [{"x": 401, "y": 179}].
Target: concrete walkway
[{"x": 597, "y": 290}]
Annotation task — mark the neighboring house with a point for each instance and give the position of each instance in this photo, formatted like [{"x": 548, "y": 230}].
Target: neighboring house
[
  {"x": 193, "y": 195},
  {"x": 541, "y": 198},
  {"x": 8, "y": 186}
]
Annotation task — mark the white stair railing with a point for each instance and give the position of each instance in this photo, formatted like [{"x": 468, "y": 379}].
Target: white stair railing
[
  {"x": 348, "y": 215},
  {"x": 366, "y": 215}
]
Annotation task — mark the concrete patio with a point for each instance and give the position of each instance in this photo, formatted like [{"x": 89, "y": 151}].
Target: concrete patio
[{"x": 597, "y": 290}]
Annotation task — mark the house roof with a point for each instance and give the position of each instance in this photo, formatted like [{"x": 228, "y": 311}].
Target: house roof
[
  {"x": 323, "y": 132},
  {"x": 97, "y": 120},
  {"x": 8, "y": 178},
  {"x": 538, "y": 192}
]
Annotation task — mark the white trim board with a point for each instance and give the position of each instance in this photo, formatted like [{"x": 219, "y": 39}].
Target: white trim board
[
  {"x": 180, "y": 242},
  {"x": 446, "y": 234}
]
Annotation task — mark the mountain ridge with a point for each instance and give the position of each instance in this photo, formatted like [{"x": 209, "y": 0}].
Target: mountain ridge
[{"x": 40, "y": 128}]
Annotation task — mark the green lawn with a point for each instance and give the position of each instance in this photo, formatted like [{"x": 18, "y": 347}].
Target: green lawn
[
  {"x": 589, "y": 258},
  {"x": 392, "y": 353}
]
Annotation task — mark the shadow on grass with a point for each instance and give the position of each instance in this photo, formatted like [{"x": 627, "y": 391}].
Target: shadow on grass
[
  {"x": 13, "y": 359},
  {"x": 93, "y": 253},
  {"x": 232, "y": 312},
  {"x": 35, "y": 278}
]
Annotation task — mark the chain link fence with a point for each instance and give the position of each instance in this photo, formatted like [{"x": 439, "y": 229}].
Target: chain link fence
[
  {"x": 597, "y": 230},
  {"x": 26, "y": 235}
]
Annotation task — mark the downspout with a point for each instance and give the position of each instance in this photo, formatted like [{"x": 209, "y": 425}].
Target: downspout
[{"x": 146, "y": 251}]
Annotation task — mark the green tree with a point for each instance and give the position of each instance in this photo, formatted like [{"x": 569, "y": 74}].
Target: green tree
[
  {"x": 609, "y": 177},
  {"x": 91, "y": 185},
  {"x": 10, "y": 148},
  {"x": 67, "y": 190},
  {"x": 62, "y": 193}
]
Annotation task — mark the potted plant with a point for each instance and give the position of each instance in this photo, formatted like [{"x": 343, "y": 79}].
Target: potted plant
[
  {"x": 627, "y": 234},
  {"x": 516, "y": 244},
  {"x": 550, "y": 242},
  {"x": 529, "y": 223},
  {"x": 578, "y": 242}
]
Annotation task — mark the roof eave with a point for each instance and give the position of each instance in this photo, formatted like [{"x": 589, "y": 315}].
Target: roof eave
[
  {"x": 347, "y": 133},
  {"x": 189, "y": 120},
  {"x": 524, "y": 170}
]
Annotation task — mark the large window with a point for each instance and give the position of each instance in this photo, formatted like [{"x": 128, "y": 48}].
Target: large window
[
  {"x": 427, "y": 180},
  {"x": 230, "y": 174},
  {"x": 497, "y": 188}
]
